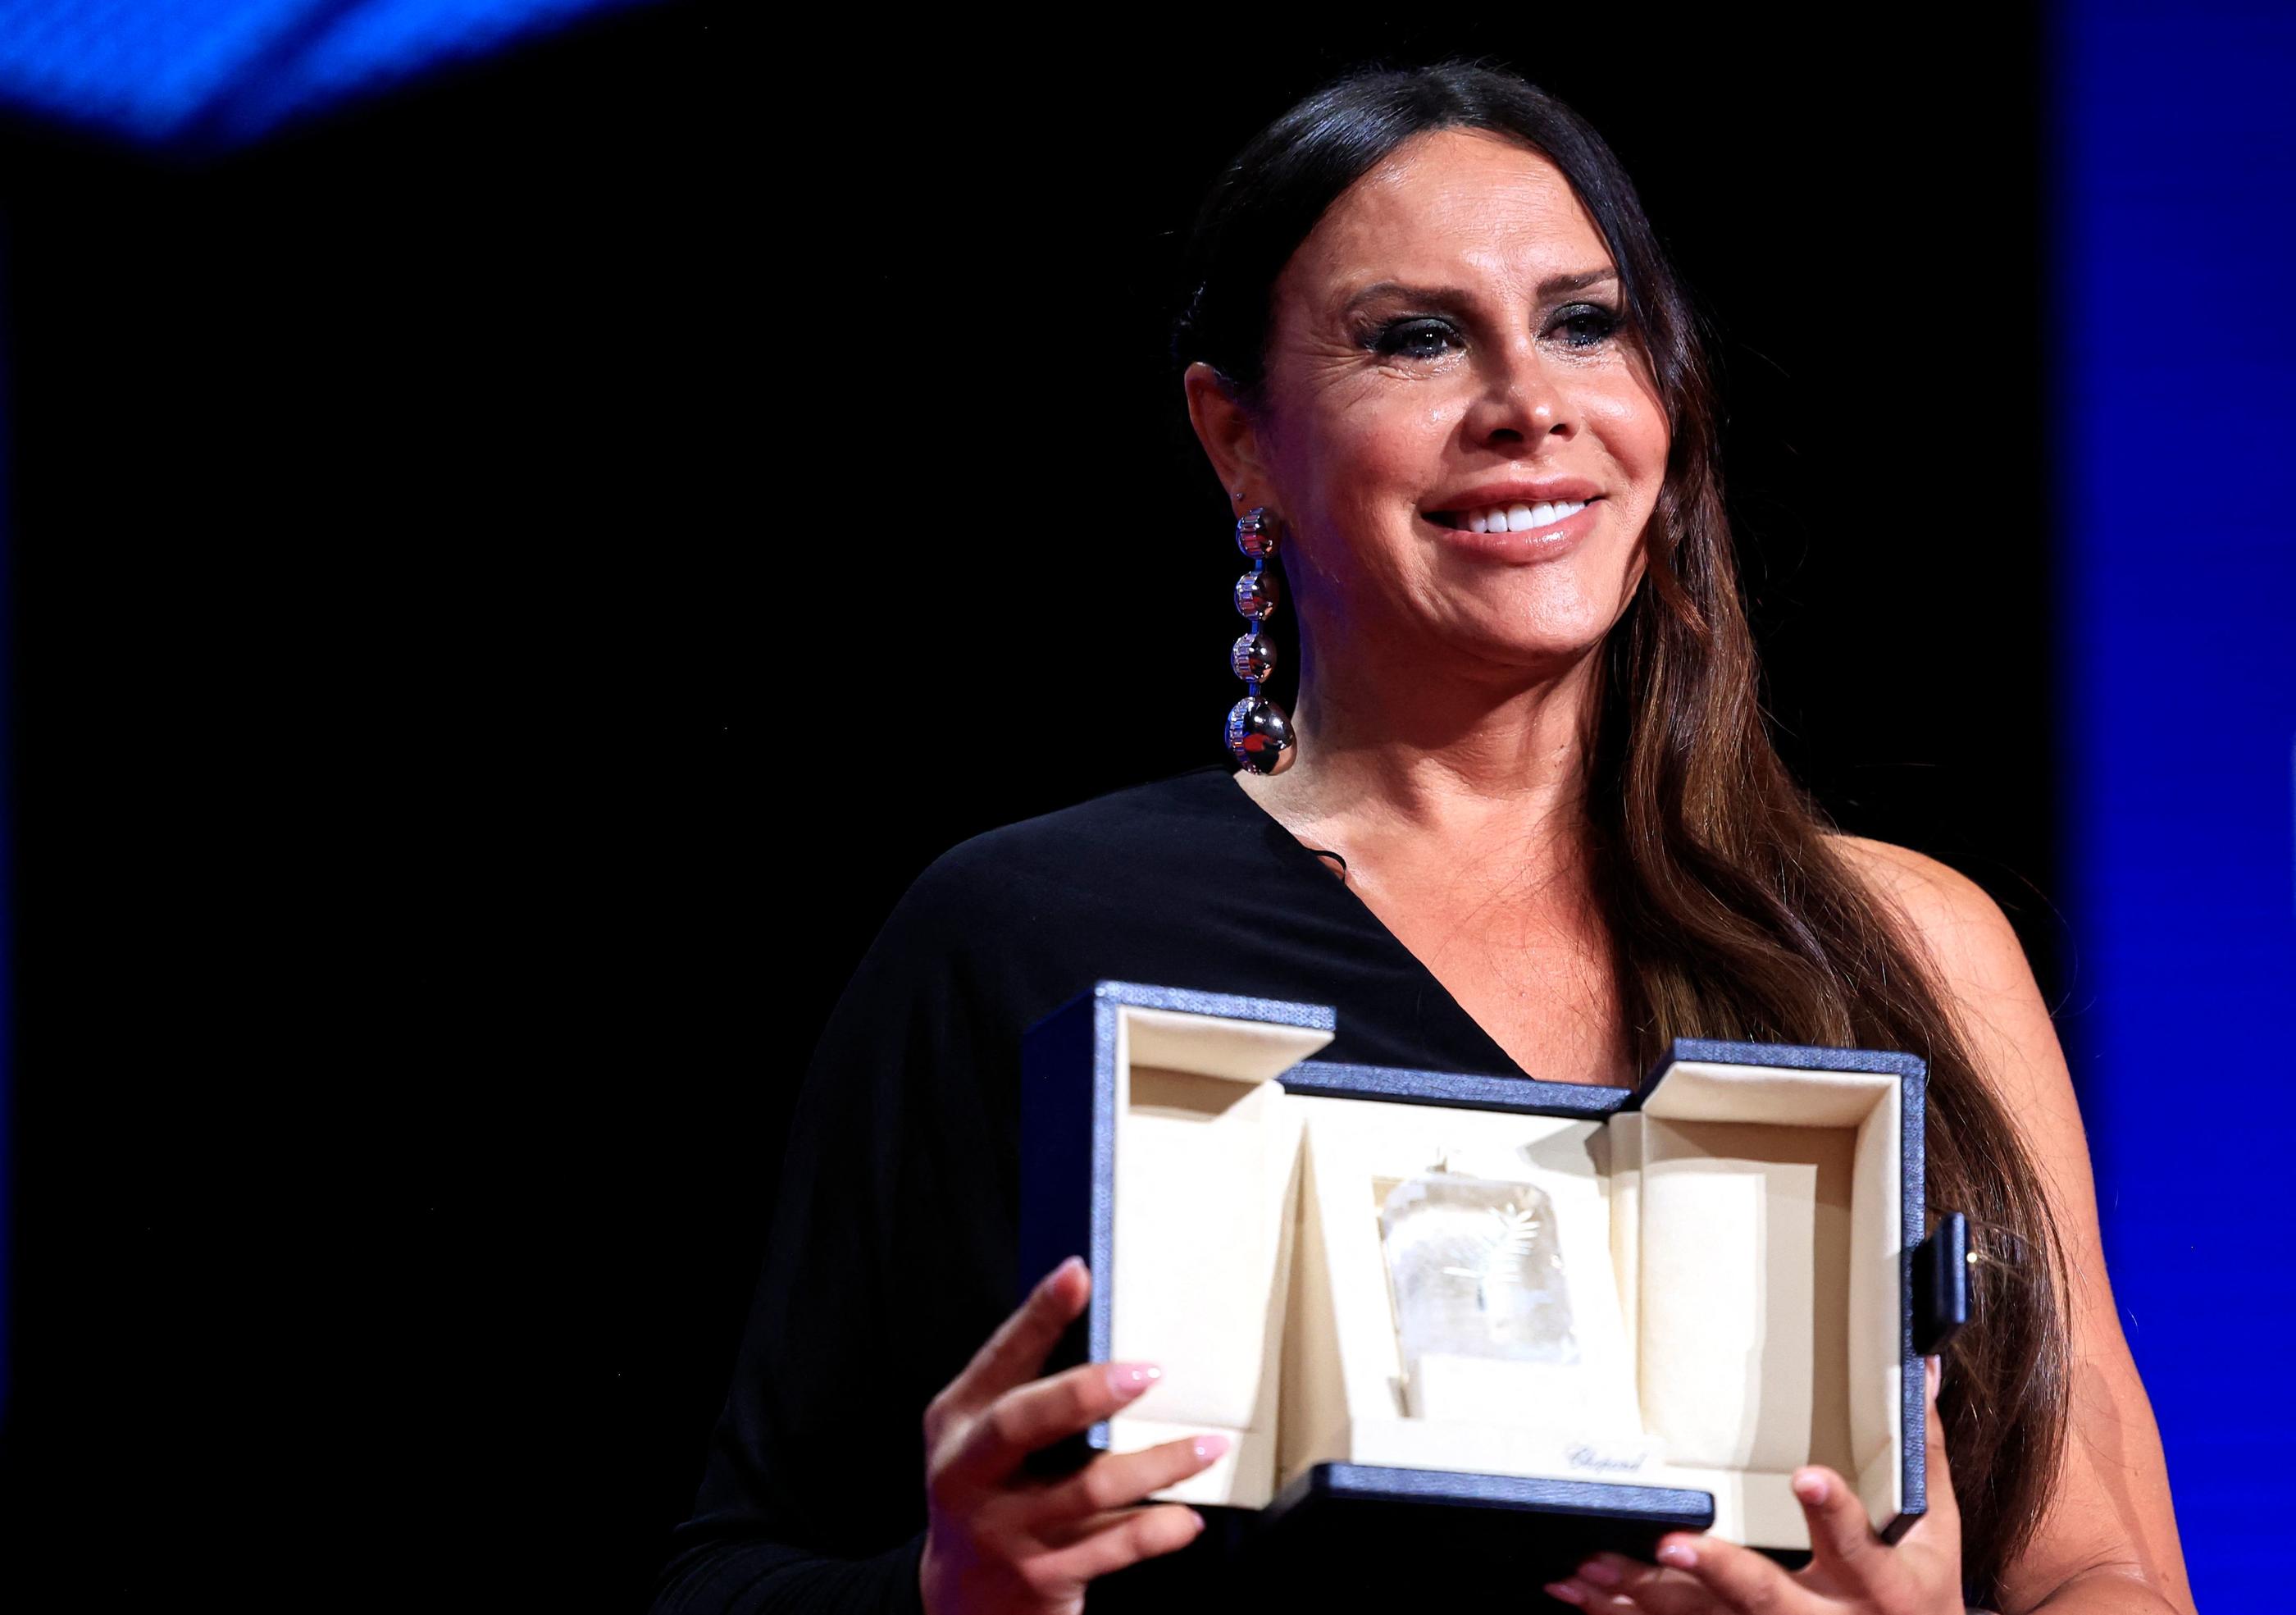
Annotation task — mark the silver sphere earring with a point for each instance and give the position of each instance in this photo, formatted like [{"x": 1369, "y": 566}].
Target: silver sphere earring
[{"x": 1259, "y": 732}]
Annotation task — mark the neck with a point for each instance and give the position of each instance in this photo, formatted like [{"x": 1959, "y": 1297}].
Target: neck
[{"x": 1436, "y": 762}]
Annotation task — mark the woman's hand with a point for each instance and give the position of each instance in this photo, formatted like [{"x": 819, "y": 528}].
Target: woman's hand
[
  {"x": 1851, "y": 1571},
  {"x": 999, "y": 1540}
]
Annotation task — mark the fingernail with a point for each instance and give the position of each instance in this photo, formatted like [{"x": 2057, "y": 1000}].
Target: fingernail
[
  {"x": 1681, "y": 1555},
  {"x": 1810, "y": 1489},
  {"x": 1602, "y": 1575},
  {"x": 1071, "y": 1264},
  {"x": 1128, "y": 1380},
  {"x": 1199, "y": 1522},
  {"x": 1935, "y": 1373},
  {"x": 1569, "y": 1592},
  {"x": 1208, "y": 1448}
]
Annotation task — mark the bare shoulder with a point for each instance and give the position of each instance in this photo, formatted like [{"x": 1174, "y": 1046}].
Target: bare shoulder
[
  {"x": 2111, "y": 1521},
  {"x": 1980, "y": 967},
  {"x": 1964, "y": 930},
  {"x": 1979, "y": 962}
]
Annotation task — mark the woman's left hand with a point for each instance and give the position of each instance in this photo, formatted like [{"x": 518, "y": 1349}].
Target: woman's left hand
[{"x": 1851, "y": 1571}]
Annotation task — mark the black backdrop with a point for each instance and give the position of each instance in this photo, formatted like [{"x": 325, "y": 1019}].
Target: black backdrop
[{"x": 508, "y": 587}]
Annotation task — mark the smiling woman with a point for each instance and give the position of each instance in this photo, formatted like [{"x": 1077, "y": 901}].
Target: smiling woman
[
  {"x": 1454, "y": 298},
  {"x": 1451, "y": 385},
  {"x": 1362, "y": 427}
]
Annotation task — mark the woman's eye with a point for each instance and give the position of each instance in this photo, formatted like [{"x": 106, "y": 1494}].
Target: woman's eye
[
  {"x": 1591, "y": 325},
  {"x": 1587, "y": 325},
  {"x": 1415, "y": 339}
]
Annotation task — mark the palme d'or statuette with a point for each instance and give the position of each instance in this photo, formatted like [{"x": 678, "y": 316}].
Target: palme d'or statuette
[{"x": 1476, "y": 1270}]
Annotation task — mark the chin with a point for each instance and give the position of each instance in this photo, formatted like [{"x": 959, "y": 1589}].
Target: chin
[
  {"x": 1513, "y": 648},
  {"x": 1545, "y": 618}
]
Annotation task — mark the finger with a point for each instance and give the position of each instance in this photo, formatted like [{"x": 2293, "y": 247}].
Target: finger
[
  {"x": 1040, "y": 1413},
  {"x": 1940, "y": 1466},
  {"x": 1935, "y": 1539},
  {"x": 1739, "y": 1579},
  {"x": 1840, "y": 1537},
  {"x": 1633, "y": 1585},
  {"x": 1594, "y": 1597},
  {"x": 1127, "y": 1537},
  {"x": 1115, "y": 1480},
  {"x": 1015, "y": 1354}
]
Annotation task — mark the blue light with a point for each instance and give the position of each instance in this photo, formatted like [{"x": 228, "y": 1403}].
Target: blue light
[
  {"x": 2176, "y": 378},
  {"x": 204, "y": 74}
]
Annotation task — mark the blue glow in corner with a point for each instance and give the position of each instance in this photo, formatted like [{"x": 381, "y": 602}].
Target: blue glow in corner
[
  {"x": 2174, "y": 344},
  {"x": 201, "y": 74}
]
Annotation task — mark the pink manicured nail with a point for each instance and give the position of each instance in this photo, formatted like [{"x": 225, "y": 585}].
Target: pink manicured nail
[
  {"x": 1681, "y": 1555},
  {"x": 1569, "y": 1592},
  {"x": 1130, "y": 1378},
  {"x": 1602, "y": 1575},
  {"x": 1208, "y": 1448},
  {"x": 1810, "y": 1489}
]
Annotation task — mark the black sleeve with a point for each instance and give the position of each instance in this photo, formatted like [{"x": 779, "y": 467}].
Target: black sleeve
[{"x": 890, "y": 1260}]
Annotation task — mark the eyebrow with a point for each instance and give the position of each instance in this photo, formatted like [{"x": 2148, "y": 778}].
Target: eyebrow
[{"x": 1450, "y": 297}]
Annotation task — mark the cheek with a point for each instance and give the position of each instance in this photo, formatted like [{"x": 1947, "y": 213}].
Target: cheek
[
  {"x": 1373, "y": 443},
  {"x": 1633, "y": 427}
]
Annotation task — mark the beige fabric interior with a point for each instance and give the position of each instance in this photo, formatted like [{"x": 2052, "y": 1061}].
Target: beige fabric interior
[
  {"x": 1820, "y": 1151},
  {"x": 1731, "y": 1255}
]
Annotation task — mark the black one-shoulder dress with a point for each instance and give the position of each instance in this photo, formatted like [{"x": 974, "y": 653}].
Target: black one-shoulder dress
[{"x": 891, "y": 1250}]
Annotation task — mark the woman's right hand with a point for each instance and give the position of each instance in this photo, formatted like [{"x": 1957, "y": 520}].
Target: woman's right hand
[{"x": 1001, "y": 1540}]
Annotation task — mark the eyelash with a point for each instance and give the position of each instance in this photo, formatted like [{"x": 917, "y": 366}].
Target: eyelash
[{"x": 1391, "y": 337}]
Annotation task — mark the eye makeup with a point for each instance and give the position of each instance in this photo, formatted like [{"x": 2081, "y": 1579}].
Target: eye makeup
[{"x": 1426, "y": 336}]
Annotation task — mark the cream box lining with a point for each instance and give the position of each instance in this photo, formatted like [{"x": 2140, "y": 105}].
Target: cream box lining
[{"x": 1733, "y": 1250}]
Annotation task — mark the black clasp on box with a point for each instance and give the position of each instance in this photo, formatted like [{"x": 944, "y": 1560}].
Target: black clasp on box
[{"x": 1941, "y": 1278}]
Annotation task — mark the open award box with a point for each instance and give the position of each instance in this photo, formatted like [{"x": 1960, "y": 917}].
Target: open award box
[{"x": 1523, "y": 1319}]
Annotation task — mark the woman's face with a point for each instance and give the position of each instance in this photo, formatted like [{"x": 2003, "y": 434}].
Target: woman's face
[{"x": 1446, "y": 345}]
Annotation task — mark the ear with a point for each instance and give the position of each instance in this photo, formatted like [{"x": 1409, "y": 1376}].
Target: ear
[{"x": 1231, "y": 440}]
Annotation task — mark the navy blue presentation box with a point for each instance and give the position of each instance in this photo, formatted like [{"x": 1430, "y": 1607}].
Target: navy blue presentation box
[{"x": 1746, "y": 1285}]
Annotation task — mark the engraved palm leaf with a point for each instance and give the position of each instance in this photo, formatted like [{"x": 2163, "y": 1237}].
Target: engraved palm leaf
[
  {"x": 1507, "y": 1238},
  {"x": 1475, "y": 1268}
]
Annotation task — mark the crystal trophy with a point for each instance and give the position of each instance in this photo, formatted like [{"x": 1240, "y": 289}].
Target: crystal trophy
[{"x": 1476, "y": 1270}]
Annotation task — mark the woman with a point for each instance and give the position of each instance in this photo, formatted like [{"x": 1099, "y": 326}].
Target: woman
[{"x": 1529, "y": 820}]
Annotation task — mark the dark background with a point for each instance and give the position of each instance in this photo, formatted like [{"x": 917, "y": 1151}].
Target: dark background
[{"x": 508, "y": 587}]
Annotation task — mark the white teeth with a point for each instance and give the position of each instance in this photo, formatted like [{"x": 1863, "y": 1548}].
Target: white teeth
[
  {"x": 1520, "y": 518},
  {"x": 1524, "y": 518}
]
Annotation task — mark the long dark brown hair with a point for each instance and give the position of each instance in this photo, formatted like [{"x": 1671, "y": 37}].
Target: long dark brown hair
[{"x": 1731, "y": 915}]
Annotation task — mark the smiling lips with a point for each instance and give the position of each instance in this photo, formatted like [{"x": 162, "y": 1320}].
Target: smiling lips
[{"x": 1509, "y": 518}]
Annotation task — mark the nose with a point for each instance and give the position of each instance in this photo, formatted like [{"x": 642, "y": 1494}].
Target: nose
[{"x": 1520, "y": 398}]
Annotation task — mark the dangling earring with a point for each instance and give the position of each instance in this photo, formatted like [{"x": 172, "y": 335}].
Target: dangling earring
[{"x": 1259, "y": 732}]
